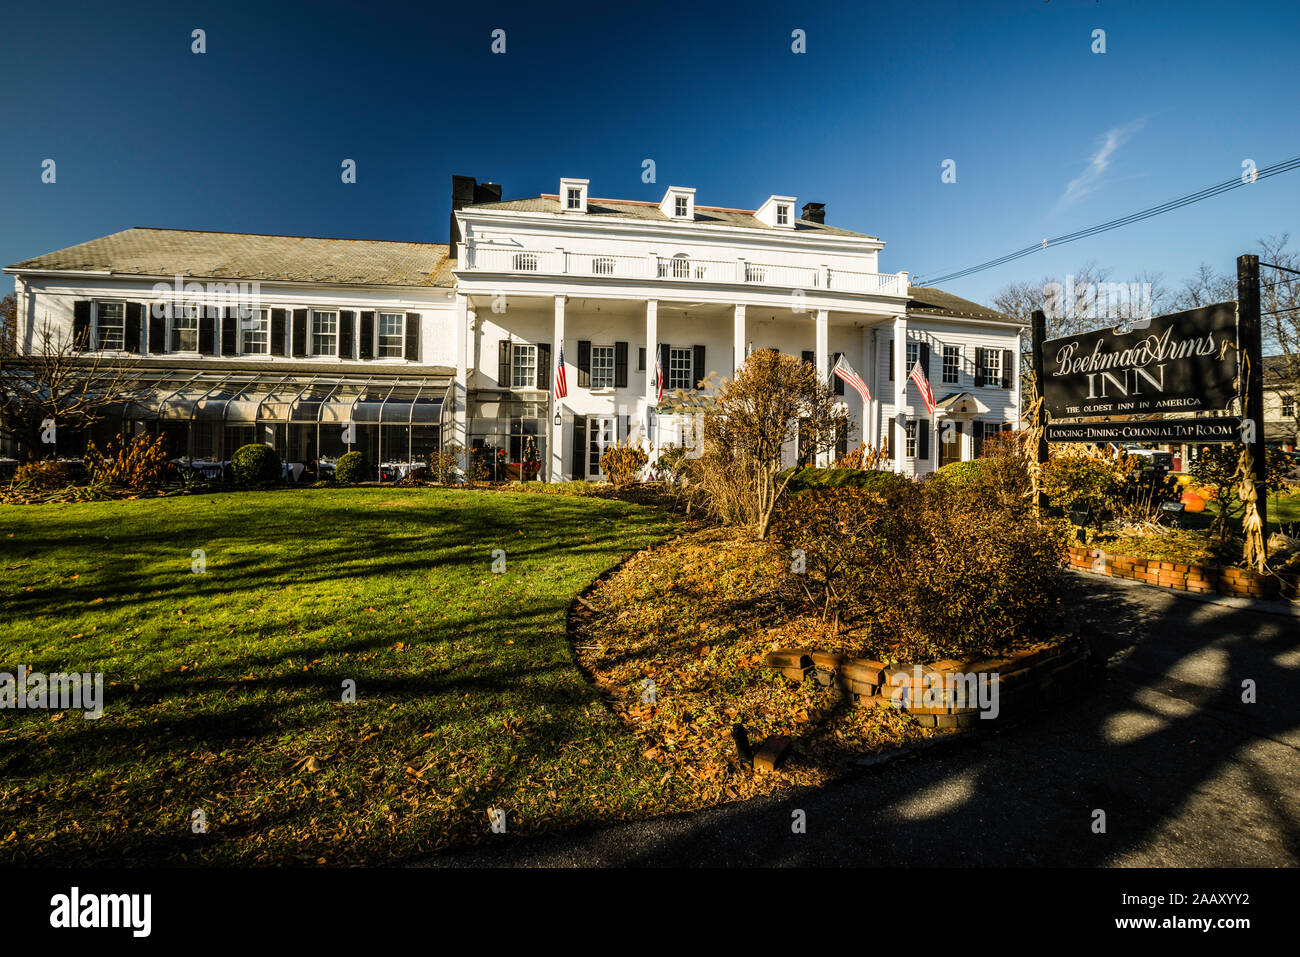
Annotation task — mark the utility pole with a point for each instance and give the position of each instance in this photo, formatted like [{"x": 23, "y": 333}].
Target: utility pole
[{"x": 1038, "y": 332}]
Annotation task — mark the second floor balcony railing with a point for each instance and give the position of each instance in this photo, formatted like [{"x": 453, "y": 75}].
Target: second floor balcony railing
[{"x": 476, "y": 257}]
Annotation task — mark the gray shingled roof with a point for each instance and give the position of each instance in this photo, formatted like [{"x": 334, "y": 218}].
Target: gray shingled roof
[
  {"x": 249, "y": 256},
  {"x": 925, "y": 301},
  {"x": 627, "y": 209}
]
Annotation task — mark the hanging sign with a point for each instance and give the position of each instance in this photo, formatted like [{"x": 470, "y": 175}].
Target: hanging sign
[{"x": 1218, "y": 429}]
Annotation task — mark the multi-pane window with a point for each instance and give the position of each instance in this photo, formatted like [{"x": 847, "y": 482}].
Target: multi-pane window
[
  {"x": 913, "y": 356},
  {"x": 992, "y": 367},
  {"x": 910, "y": 445},
  {"x": 391, "y": 331},
  {"x": 679, "y": 369},
  {"x": 782, "y": 214},
  {"x": 324, "y": 333},
  {"x": 681, "y": 205},
  {"x": 110, "y": 325},
  {"x": 602, "y": 367},
  {"x": 1288, "y": 407},
  {"x": 575, "y": 198},
  {"x": 523, "y": 366},
  {"x": 951, "y": 364},
  {"x": 257, "y": 332},
  {"x": 185, "y": 327}
]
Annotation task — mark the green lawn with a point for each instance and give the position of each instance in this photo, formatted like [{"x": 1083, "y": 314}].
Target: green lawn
[{"x": 223, "y": 685}]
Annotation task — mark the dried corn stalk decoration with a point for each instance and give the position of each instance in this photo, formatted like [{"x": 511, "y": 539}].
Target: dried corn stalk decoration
[
  {"x": 1254, "y": 550},
  {"x": 1033, "y": 432}
]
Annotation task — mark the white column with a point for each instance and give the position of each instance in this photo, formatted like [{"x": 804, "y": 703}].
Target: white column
[
  {"x": 651, "y": 354},
  {"x": 864, "y": 370},
  {"x": 557, "y": 431},
  {"x": 738, "y": 341},
  {"x": 821, "y": 361},
  {"x": 897, "y": 439},
  {"x": 460, "y": 387}
]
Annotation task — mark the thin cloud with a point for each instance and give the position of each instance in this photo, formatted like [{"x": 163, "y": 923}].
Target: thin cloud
[{"x": 1087, "y": 181}]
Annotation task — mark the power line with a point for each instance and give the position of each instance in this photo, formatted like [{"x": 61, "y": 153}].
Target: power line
[{"x": 1265, "y": 173}]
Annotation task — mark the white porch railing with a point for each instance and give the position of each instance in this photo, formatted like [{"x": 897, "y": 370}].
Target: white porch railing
[{"x": 560, "y": 262}]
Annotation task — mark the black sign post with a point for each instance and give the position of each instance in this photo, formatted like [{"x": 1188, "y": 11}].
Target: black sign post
[
  {"x": 1037, "y": 334},
  {"x": 1252, "y": 380}
]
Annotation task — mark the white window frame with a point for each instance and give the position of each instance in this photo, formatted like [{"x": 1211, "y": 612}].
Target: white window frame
[
  {"x": 913, "y": 357},
  {"x": 192, "y": 310},
  {"x": 262, "y": 329},
  {"x": 523, "y": 356},
  {"x": 380, "y": 335},
  {"x": 993, "y": 364},
  {"x": 909, "y": 438},
  {"x": 573, "y": 197},
  {"x": 681, "y": 206},
  {"x": 333, "y": 315},
  {"x": 676, "y": 370},
  {"x": 96, "y": 341},
  {"x": 953, "y": 352},
  {"x": 782, "y": 214},
  {"x": 604, "y": 379}
]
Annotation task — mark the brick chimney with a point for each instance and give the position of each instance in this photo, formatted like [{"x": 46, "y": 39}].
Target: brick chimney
[
  {"x": 814, "y": 213},
  {"x": 467, "y": 191}
]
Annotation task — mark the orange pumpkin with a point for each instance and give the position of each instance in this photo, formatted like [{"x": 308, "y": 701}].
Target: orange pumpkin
[{"x": 1192, "y": 502}]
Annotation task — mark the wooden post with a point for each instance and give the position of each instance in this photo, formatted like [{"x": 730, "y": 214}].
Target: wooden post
[
  {"x": 1038, "y": 332},
  {"x": 1252, "y": 373}
]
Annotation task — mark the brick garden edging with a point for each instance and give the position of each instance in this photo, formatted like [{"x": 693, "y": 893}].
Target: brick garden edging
[
  {"x": 1198, "y": 579},
  {"x": 1034, "y": 678}
]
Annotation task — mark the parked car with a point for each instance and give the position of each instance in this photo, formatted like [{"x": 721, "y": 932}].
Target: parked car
[{"x": 1152, "y": 458}]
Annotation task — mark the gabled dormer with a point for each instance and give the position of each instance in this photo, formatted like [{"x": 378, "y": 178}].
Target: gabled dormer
[
  {"x": 679, "y": 203},
  {"x": 573, "y": 195},
  {"x": 777, "y": 212}
]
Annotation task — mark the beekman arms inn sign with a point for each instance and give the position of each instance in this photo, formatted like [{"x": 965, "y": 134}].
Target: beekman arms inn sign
[{"x": 1198, "y": 361}]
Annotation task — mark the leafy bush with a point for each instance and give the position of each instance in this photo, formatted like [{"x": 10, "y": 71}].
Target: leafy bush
[
  {"x": 961, "y": 474},
  {"x": 622, "y": 463},
  {"x": 41, "y": 474},
  {"x": 137, "y": 463},
  {"x": 875, "y": 480},
  {"x": 928, "y": 570},
  {"x": 352, "y": 468},
  {"x": 444, "y": 465},
  {"x": 255, "y": 464},
  {"x": 1076, "y": 479}
]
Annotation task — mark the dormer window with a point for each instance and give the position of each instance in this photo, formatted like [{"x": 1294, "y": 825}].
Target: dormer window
[
  {"x": 777, "y": 212},
  {"x": 679, "y": 203},
  {"x": 573, "y": 195}
]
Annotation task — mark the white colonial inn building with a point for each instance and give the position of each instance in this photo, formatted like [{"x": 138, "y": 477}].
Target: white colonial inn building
[{"x": 317, "y": 346}]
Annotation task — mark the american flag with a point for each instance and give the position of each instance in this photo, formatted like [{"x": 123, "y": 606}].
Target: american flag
[
  {"x": 923, "y": 386},
  {"x": 561, "y": 384},
  {"x": 659, "y": 381},
  {"x": 846, "y": 372}
]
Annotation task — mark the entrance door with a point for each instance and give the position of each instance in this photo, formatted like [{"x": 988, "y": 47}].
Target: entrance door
[
  {"x": 950, "y": 451},
  {"x": 600, "y": 436}
]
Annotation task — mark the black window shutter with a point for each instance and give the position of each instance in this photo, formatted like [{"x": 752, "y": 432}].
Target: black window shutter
[
  {"x": 839, "y": 383},
  {"x": 1008, "y": 368},
  {"x": 366, "y": 338},
  {"x": 157, "y": 327},
  {"x": 584, "y": 364},
  {"x": 134, "y": 318},
  {"x": 543, "y": 365},
  {"x": 923, "y": 439},
  {"x": 841, "y": 439},
  {"x": 697, "y": 367},
  {"x": 228, "y": 327},
  {"x": 279, "y": 335},
  {"x": 925, "y": 358},
  {"x": 579, "y": 460},
  {"x": 891, "y": 360},
  {"x": 807, "y": 355},
  {"x": 503, "y": 363},
  {"x": 640, "y": 359},
  {"x": 347, "y": 332},
  {"x": 81, "y": 323},
  {"x": 208, "y": 331},
  {"x": 979, "y": 367},
  {"x": 299, "y": 334},
  {"x": 620, "y": 365},
  {"x": 413, "y": 336}
]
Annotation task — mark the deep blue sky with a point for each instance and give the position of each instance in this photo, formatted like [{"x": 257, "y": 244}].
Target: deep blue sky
[{"x": 250, "y": 135}]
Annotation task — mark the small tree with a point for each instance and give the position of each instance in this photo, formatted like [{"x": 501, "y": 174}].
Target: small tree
[
  {"x": 775, "y": 402},
  {"x": 56, "y": 382}
]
